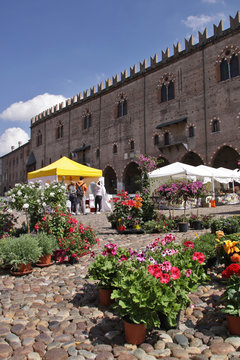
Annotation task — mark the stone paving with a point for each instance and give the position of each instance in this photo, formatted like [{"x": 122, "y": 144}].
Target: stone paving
[{"x": 53, "y": 313}]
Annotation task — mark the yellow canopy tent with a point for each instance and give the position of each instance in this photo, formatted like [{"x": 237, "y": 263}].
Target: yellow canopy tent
[{"x": 63, "y": 169}]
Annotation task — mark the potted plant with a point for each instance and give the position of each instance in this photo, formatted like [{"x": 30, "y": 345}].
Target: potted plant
[
  {"x": 227, "y": 245},
  {"x": 104, "y": 269},
  {"x": 142, "y": 292},
  {"x": 20, "y": 253},
  {"x": 48, "y": 245},
  {"x": 231, "y": 298}
]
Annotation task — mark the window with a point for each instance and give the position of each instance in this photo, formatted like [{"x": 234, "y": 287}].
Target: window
[
  {"x": 191, "y": 131},
  {"x": 228, "y": 63},
  {"x": 122, "y": 107},
  {"x": 98, "y": 153},
  {"x": 165, "y": 87},
  {"x": 163, "y": 93},
  {"x": 166, "y": 139},
  {"x": 50, "y": 160},
  {"x": 42, "y": 163},
  {"x": 156, "y": 140},
  {"x": 234, "y": 66},
  {"x": 87, "y": 121},
  {"x": 224, "y": 70},
  {"x": 215, "y": 126},
  {"x": 39, "y": 138},
  {"x": 132, "y": 145},
  {"x": 114, "y": 149},
  {"x": 59, "y": 132},
  {"x": 171, "y": 90}
]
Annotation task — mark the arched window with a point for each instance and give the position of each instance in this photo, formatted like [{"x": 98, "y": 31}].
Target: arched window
[
  {"x": 191, "y": 131},
  {"x": 132, "y": 145},
  {"x": 87, "y": 121},
  {"x": 156, "y": 140},
  {"x": 234, "y": 66},
  {"x": 163, "y": 93},
  {"x": 215, "y": 126},
  {"x": 224, "y": 70},
  {"x": 228, "y": 62},
  {"x": 59, "y": 131},
  {"x": 166, "y": 139},
  {"x": 166, "y": 87},
  {"x": 171, "y": 90},
  {"x": 39, "y": 138},
  {"x": 114, "y": 149},
  {"x": 122, "y": 107}
]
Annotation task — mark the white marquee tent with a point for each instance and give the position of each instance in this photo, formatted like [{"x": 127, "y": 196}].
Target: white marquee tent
[{"x": 203, "y": 173}]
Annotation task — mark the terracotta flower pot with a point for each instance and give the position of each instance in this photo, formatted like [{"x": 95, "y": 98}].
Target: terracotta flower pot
[
  {"x": 22, "y": 269},
  {"x": 233, "y": 324},
  {"x": 105, "y": 297},
  {"x": 45, "y": 260},
  {"x": 134, "y": 333}
]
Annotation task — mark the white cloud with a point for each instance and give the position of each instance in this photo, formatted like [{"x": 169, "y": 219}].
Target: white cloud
[
  {"x": 11, "y": 137},
  {"x": 24, "y": 111},
  {"x": 213, "y": 1},
  {"x": 201, "y": 21},
  {"x": 100, "y": 77}
]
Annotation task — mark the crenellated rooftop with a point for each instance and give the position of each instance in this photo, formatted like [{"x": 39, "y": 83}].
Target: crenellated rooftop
[{"x": 203, "y": 39}]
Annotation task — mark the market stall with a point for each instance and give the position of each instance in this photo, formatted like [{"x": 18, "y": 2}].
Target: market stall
[{"x": 66, "y": 170}]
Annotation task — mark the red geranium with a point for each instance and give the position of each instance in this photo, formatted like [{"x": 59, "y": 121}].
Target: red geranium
[
  {"x": 199, "y": 257},
  {"x": 233, "y": 269},
  {"x": 189, "y": 244},
  {"x": 175, "y": 273}
]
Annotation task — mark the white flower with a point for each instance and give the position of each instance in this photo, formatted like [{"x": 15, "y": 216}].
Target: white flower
[
  {"x": 13, "y": 195},
  {"x": 44, "y": 204},
  {"x": 19, "y": 193},
  {"x": 9, "y": 211},
  {"x": 13, "y": 200},
  {"x": 52, "y": 194},
  {"x": 46, "y": 185},
  {"x": 25, "y": 206},
  {"x": 38, "y": 201}
]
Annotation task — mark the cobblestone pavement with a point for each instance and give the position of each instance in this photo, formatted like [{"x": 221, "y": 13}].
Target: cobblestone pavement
[{"x": 53, "y": 313}]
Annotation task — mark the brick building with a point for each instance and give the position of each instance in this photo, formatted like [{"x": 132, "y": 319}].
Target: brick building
[{"x": 185, "y": 107}]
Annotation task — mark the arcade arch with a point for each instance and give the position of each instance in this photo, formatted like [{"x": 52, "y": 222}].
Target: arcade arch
[
  {"x": 131, "y": 177},
  {"x": 226, "y": 157},
  {"x": 110, "y": 180},
  {"x": 191, "y": 158}
]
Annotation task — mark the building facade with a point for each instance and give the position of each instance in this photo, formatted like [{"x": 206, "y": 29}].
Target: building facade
[{"x": 185, "y": 107}]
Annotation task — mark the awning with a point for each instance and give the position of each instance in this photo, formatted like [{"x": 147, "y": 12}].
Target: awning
[
  {"x": 173, "y": 122},
  {"x": 65, "y": 167},
  {"x": 83, "y": 148}
]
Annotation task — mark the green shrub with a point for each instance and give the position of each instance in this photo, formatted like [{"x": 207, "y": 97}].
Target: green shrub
[
  {"x": 228, "y": 225},
  {"x": 22, "y": 250},
  {"x": 206, "y": 244},
  {"x": 47, "y": 243}
]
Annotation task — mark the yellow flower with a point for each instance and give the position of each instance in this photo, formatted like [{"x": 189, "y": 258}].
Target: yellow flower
[
  {"x": 219, "y": 233},
  {"x": 197, "y": 236},
  {"x": 229, "y": 246}
]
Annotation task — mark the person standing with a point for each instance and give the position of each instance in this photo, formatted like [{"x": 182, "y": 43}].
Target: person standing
[
  {"x": 98, "y": 196},
  {"x": 72, "y": 196},
  {"x": 81, "y": 189}
]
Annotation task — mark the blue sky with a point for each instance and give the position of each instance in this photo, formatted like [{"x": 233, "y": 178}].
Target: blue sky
[{"x": 54, "y": 49}]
